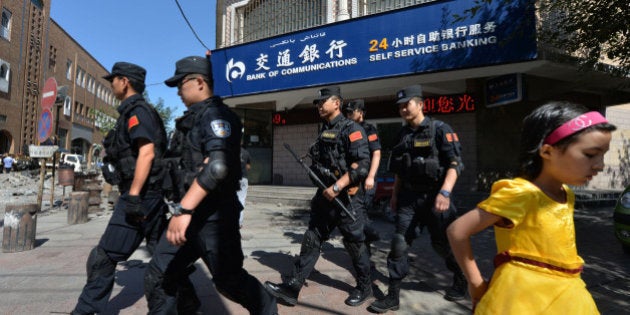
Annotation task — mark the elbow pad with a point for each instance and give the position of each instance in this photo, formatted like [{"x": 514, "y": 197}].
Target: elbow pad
[
  {"x": 457, "y": 164},
  {"x": 214, "y": 172},
  {"x": 359, "y": 174}
]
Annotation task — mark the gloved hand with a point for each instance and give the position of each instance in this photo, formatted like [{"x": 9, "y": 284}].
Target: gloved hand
[{"x": 134, "y": 210}]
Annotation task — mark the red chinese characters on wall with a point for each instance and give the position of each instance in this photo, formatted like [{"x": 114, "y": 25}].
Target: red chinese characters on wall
[{"x": 450, "y": 104}]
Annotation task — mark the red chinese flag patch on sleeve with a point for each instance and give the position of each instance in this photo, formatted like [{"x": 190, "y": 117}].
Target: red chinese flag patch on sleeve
[
  {"x": 355, "y": 136},
  {"x": 372, "y": 137},
  {"x": 133, "y": 121},
  {"x": 449, "y": 137}
]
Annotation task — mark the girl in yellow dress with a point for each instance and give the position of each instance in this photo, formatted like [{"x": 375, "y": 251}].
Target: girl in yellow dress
[{"x": 537, "y": 268}]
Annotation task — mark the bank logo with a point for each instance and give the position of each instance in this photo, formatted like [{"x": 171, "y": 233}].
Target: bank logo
[{"x": 234, "y": 70}]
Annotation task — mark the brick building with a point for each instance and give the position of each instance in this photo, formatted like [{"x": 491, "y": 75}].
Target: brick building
[{"x": 33, "y": 49}]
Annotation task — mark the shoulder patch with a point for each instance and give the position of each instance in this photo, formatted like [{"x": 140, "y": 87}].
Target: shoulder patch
[
  {"x": 373, "y": 137},
  {"x": 449, "y": 137},
  {"x": 133, "y": 121},
  {"x": 221, "y": 128},
  {"x": 355, "y": 136}
]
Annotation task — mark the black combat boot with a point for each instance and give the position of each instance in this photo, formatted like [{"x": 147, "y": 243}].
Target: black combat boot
[
  {"x": 390, "y": 302},
  {"x": 287, "y": 291},
  {"x": 359, "y": 295},
  {"x": 458, "y": 290}
]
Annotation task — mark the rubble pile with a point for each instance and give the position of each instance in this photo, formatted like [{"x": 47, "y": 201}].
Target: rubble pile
[{"x": 23, "y": 187}]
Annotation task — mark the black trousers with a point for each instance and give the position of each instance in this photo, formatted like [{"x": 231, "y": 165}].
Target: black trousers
[
  {"x": 118, "y": 242},
  {"x": 417, "y": 210},
  {"x": 325, "y": 217},
  {"x": 213, "y": 236}
]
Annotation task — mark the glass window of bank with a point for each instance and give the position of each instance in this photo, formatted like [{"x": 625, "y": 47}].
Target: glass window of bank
[{"x": 258, "y": 141}]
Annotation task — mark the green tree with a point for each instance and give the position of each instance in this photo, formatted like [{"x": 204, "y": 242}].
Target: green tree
[
  {"x": 164, "y": 111},
  {"x": 107, "y": 123},
  {"x": 597, "y": 32}
]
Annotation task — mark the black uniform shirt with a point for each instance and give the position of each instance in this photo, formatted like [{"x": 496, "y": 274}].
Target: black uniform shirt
[
  {"x": 218, "y": 129},
  {"x": 141, "y": 123},
  {"x": 446, "y": 141},
  {"x": 372, "y": 135},
  {"x": 353, "y": 141}
]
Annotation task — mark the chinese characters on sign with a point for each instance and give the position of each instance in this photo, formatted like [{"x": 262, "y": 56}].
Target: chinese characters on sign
[
  {"x": 441, "y": 104},
  {"x": 308, "y": 59},
  {"x": 379, "y": 46},
  {"x": 466, "y": 36},
  {"x": 450, "y": 104}
]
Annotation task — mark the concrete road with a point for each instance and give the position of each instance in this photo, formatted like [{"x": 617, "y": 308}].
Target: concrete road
[{"x": 49, "y": 278}]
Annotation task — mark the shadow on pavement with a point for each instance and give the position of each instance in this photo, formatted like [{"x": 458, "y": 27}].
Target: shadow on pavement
[
  {"x": 130, "y": 280},
  {"x": 283, "y": 264},
  {"x": 39, "y": 242}
]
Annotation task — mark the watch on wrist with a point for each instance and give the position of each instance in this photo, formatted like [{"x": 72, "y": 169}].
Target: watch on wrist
[
  {"x": 336, "y": 188},
  {"x": 179, "y": 210},
  {"x": 445, "y": 193}
]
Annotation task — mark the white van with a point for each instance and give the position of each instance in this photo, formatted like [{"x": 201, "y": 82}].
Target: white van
[{"x": 75, "y": 160}]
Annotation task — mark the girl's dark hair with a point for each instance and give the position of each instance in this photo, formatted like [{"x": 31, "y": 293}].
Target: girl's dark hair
[{"x": 539, "y": 124}]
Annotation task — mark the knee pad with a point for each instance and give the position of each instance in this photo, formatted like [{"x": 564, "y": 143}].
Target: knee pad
[
  {"x": 399, "y": 246},
  {"x": 99, "y": 263}
]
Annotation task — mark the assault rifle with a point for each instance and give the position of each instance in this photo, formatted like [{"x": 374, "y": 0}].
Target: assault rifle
[{"x": 319, "y": 182}]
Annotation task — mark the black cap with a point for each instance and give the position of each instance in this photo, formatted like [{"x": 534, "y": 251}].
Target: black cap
[
  {"x": 126, "y": 69},
  {"x": 407, "y": 93},
  {"x": 326, "y": 93},
  {"x": 354, "y": 105},
  {"x": 190, "y": 65}
]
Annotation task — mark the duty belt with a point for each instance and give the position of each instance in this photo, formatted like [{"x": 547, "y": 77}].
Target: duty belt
[{"x": 126, "y": 185}]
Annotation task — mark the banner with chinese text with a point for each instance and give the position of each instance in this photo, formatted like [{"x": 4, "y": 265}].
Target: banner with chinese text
[{"x": 419, "y": 39}]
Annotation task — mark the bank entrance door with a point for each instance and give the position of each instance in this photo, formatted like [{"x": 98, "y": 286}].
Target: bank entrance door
[{"x": 258, "y": 141}]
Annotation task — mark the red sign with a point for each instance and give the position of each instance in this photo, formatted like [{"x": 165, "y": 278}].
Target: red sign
[
  {"x": 450, "y": 104},
  {"x": 49, "y": 93},
  {"x": 278, "y": 120}
]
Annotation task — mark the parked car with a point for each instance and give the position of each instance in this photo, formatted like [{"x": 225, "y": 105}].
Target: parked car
[
  {"x": 621, "y": 218},
  {"x": 24, "y": 163},
  {"x": 75, "y": 160}
]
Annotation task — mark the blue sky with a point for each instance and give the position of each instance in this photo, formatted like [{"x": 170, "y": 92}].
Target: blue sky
[{"x": 150, "y": 33}]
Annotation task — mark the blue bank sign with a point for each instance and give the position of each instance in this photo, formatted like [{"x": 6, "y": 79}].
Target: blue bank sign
[{"x": 414, "y": 40}]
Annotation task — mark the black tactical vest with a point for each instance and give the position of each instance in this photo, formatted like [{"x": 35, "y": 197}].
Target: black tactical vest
[
  {"x": 417, "y": 163},
  {"x": 329, "y": 150},
  {"x": 184, "y": 158},
  {"x": 122, "y": 155}
]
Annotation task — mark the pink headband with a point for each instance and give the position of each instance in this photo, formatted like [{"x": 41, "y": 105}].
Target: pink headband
[{"x": 574, "y": 125}]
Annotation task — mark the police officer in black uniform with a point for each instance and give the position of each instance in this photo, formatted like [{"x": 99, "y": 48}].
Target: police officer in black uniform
[
  {"x": 427, "y": 162},
  {"x": 341, "y": 158},
  {"x": 133, "y": 162},
  {"x": 205, "y": 168},
  {"x": 355, "y": 110}
]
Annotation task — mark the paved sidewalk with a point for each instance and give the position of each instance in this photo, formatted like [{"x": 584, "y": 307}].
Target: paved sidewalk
[{"x": 49, "y": 278}]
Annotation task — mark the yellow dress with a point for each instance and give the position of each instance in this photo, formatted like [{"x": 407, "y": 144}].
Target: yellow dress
[{"x": 544, "y": 233}]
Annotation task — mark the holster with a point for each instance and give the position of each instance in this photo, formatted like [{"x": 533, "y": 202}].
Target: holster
[{"x": 110, "y": 174}]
